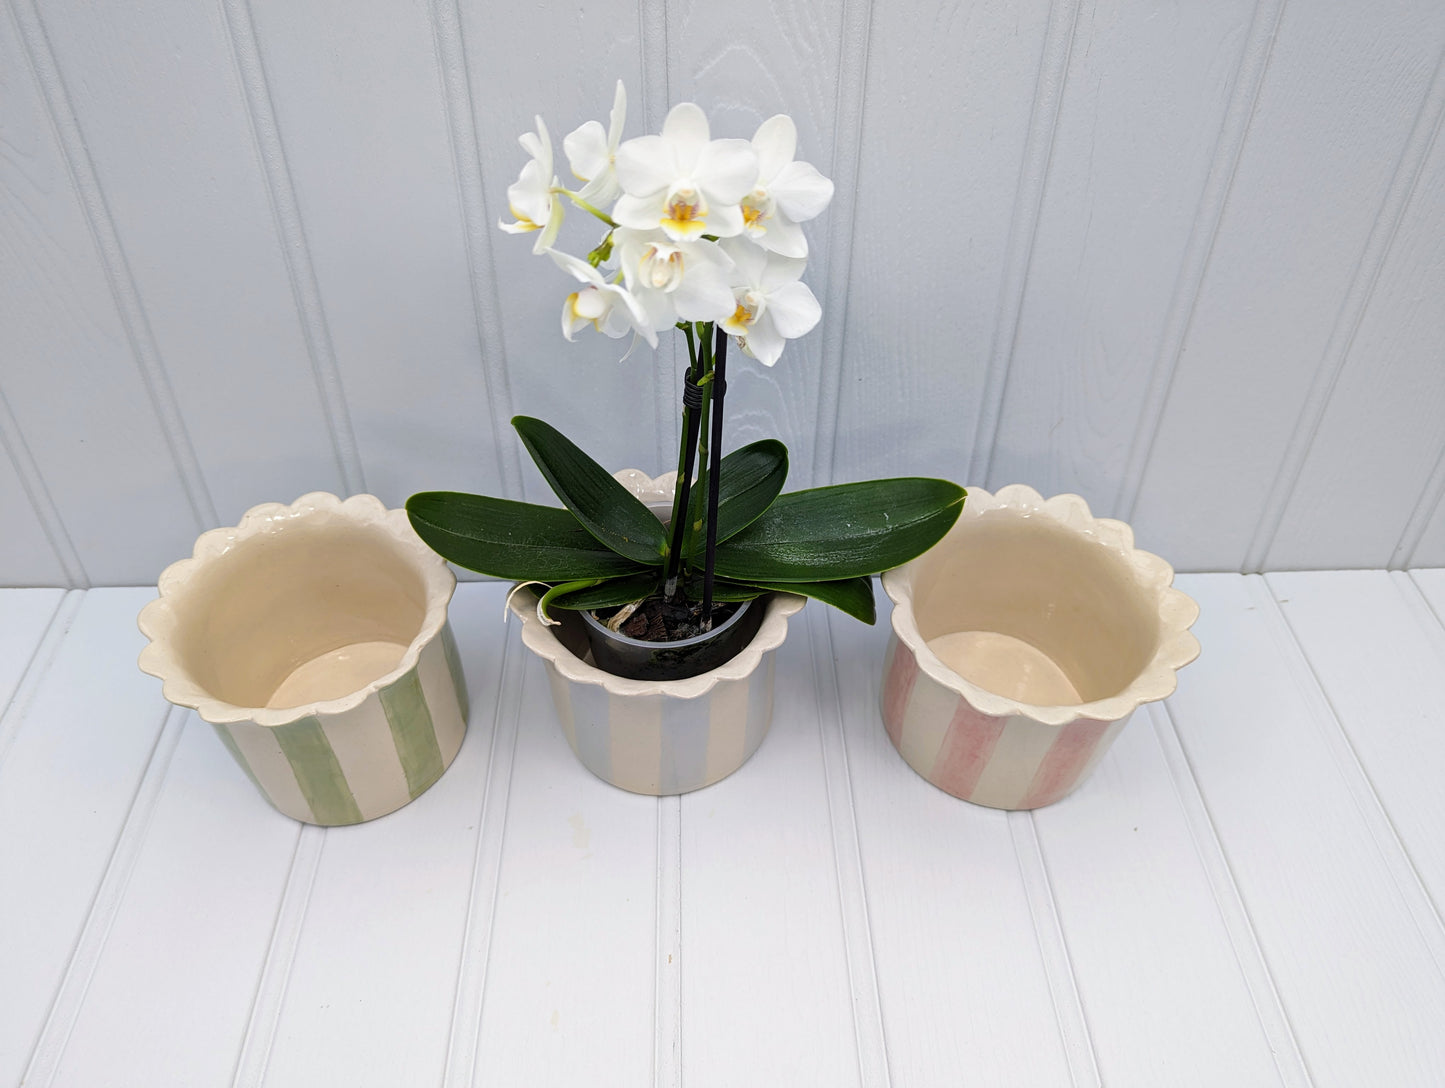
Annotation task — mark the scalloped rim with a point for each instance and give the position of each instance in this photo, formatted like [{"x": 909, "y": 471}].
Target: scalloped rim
[
  {"x": 538, "y": 637},
  {"x": 1177, "y": 610},
  {"x": 158, "y": 619}
]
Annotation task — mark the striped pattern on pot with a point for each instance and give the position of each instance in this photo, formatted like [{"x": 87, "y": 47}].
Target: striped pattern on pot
[
  {"x": 1011, "y": 762},
  {"x": 658, "y": 744},
  {"x": 335, "y": 769}
]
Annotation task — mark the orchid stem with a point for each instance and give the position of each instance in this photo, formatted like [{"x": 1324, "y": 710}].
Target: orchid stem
[
  {"x": 719, "y": 390},
  {"x": 587, "y": 207},
  {"x": 682, "y": 489},
  {"x": 695, "y": 525}
]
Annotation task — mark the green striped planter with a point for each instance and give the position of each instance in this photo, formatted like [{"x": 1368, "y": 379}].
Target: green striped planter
[
  {"x": 335, "y": 769},
  {"x": 266, "y": 631}
]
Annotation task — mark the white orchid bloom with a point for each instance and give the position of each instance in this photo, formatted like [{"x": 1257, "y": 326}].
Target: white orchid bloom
[
  {"x": 531, "y": 195},
  {"x": 608, "y": 307},
  {"x": 771, "y": 306},
  {"x": 787, "y": 193},
  {"x": 675, "y": 281},
  {"x": 683, "y": 182},
  {"x": 593, "y": 153}
]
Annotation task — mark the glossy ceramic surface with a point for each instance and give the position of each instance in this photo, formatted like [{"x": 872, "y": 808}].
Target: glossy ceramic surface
[
  {"x": 314, "y": 638},
  {"x": 658, "y": 736},
  {"x": 1022, "y": 642}
]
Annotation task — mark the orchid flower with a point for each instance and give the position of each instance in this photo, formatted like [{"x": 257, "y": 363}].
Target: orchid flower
[
  {"x": 593, "y": 153},
  {"x": 683, "y": 182},
  {"x": 687, "y": 281},
  {"x": 771, "y": 305},
  {"x": 608, "y": 307},
  {"x": 530, "y": 197},
  {"x": 787, "y": 193}
]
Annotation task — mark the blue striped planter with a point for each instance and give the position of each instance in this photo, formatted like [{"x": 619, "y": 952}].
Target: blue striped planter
[{"x": 659, "y": 737}]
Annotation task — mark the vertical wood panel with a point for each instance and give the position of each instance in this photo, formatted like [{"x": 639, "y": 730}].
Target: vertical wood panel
[
  {"x": 27, "y": 556},
  {"x": 566, "y": 75},
  {"x": 186, "y": 953},
  {"x": 1377, "y": 651},
  {"x": 1130, "y": 955},
  {"x": 158, "y": 102},
  {"x": 742, "y": 68},
  {"x": 1339, "y": 928},
  {"x": 67, "y": 368},
  {"x": 937, "y": 945},
  {"x": 358, "y": 98},
  {"x": 1341, "y": 94},
  {"x": 1142, "y": 108},
  {"x": 946, "y": 116},
  {"x": 369, "y": 994},
  {"x": 206, "y": 229},
  {"x": 1431, "y": 550},
  {"x": 756, "y": 909},
  {"x": 1355, "y": 500},
  {"x": 23, "y": 623},
  {"x": 561, "y": 1000},
  {"x": 56, "y": 757}
]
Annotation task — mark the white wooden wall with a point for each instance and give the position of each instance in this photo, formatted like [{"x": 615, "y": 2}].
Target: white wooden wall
[{"x": 1187, "y": 260}]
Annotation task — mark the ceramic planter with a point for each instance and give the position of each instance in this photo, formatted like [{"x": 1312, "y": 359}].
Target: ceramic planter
[
  {"x": 1022, "y": 642},
  {"x": 314, "y": 638},
  {"x": 659, "y": 737}
]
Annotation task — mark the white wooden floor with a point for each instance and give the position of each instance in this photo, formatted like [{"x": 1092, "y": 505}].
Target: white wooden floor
[{"x": 1247, "y": 892}]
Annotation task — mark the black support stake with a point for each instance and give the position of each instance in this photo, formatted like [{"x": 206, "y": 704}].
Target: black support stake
[{"x": 719, "y": 390}]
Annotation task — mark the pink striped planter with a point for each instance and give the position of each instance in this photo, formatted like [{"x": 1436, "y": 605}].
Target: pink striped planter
[{"x": 1048, "y": 573}]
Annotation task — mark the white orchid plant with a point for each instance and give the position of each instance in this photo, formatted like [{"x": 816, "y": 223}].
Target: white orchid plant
[{"x": 704, "y": 235}]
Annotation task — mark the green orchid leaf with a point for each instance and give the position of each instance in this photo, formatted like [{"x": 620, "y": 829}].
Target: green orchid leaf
[
  {"x": 749, "y": 480},
  {"x": 624, "y": 590},
  {"x": 723, "y": 590},
  {"x": 844, "y": 531},
  {"x": 851, "y": 595},
  {"x": 608, "y": 510},
  {"x": 509, "y": 539}
]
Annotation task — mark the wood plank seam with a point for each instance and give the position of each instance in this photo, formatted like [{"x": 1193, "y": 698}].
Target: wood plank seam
[
  {"x": 291, "y": 232},
  {"x": 1388, "y": 217},
  {"x": 1194, "y": 263},
  {"x": 866, "y": 1002},
  {"x": 275, "y": 975},
  {"x": 845, "y": 167},
  {"x": 1430, "y": 621},
  {"x": 1073, "y": 1021},
  {"x": 1356, "y": 778},
  {"x": 65, "y": 1009},
  {"x": 15, "y": 711},
  {"x": 471, "y": 191},
  {"x": 667, "y": 1009},
  {"x": 1023, "y": 229},
  {"x": 463, "y": 1040},
  {"x": 1429, "y": 605},
  {"x": 1243, "y": 940},
  {"x": 654, "y": 96},
  {"x": 123, "y": 288},
  {"x": 41, "y": 501},
  {"x": 1414, "y": 532}
]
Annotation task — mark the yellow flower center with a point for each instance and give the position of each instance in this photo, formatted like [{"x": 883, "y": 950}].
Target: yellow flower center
[
  {"x": 756, "y": 207},
  {"x": 685, "y": 213}
]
